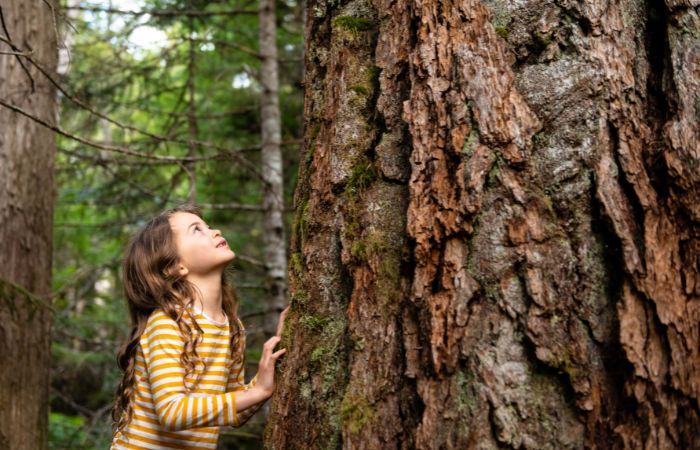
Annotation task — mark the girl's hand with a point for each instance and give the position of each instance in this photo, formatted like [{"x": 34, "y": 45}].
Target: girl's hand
[
  {"x": 266, "y": 366},
  {"x": 280, "y": 325}
]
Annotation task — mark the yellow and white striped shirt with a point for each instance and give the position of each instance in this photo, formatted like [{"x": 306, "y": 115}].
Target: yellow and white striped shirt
[{"x": 164, "y": 415}]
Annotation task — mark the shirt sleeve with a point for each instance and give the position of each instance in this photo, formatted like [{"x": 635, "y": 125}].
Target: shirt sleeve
[
  {"x": 236, "y": 379},
  {"x": 162, "y": 345}
]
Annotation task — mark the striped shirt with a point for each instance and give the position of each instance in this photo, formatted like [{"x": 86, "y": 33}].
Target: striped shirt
[{"x": 164, "y": 415}]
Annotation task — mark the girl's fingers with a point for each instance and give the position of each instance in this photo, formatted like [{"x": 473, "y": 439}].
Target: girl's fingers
[
  {"x": 272, "y": 342},
  {"x": 283, "y": 315},
  {"x": 278, "y": 353},
  {"x": 269, "y": 346}
]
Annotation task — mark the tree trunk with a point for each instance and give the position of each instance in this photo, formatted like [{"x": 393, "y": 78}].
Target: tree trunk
[
  {"x": 496, "y": 242},
  {"x": 273, "y": 203},
  {"x": 26, "y": 210}
]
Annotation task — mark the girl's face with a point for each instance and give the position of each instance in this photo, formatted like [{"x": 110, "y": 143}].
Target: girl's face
[{"x": 201, "y": 249}]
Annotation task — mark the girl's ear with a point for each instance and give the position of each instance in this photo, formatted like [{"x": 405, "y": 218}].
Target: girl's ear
[{"x": 173, "y": 271}]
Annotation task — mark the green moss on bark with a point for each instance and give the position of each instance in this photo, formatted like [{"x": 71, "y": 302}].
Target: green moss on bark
[
  {"x": 355, "y": 412},
  {"x": 363, "y": 174},
  {"x": 354, "y": 24}
]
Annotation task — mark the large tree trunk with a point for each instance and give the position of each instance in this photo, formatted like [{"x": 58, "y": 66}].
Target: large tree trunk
[
  {"x": 273, "y": 198},
  {"x": 26, "y": 211},
  {"x": 496, "y": 242}
]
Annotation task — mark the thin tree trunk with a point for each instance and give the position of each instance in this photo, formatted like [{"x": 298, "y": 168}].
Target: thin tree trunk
[
  {"x": 496, "y": 242},
  {"x": 26, "y": 209},
  {"x": 192, "y": 127},
  {"x": 273, "y": 203}
]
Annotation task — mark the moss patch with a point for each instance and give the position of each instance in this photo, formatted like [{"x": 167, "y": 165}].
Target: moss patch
[
  {"x": 299, "y": 298},
  {"x": 491, "y": 291},
  {"x": 363, "y": 174},
  {"x": 285, "y": 339},
  {"x": 494, "y": 172},
  {"x": 355, "y": 412},
  {"x": 296, "y": 261},
  {"x": 354, "y": 24},
  {"x": 359, "y": 250},
  {"x": 328, "y": 358},
  {"x": 313, "y": 323},
  {"x": 543, "y": 40},
  {"x": 470, "y": 143},
  {"x": 360, "y": 89},
  {"x": 11, "y": 292},
  {"x": 301, "y": 224},
  {"x": 467, "y": 400},
  {"x": 502, "y": 32}
]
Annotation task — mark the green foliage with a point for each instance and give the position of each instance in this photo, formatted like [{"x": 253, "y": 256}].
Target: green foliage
[
  {"x": 104, "y": 196},
  {"x": 69, "y": 432},
  {"x": 65, "y": 431}
]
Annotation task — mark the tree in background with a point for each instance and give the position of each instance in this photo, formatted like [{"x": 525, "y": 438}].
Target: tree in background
[
  {"x": 272, "y": 169},
  {"x": 496, "y": 241},
  {"x": 27, "y": 152},
  {"x": 159, "y": 105}
]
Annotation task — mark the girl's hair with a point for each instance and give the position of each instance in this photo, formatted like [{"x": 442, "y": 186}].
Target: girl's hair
[{"x": 151, "y": 280}]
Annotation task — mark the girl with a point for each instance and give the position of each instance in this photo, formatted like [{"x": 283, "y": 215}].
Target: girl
[{"x": 183, "y": 363}]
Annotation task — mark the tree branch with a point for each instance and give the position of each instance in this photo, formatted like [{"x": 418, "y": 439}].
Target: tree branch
[
  {"x": 164, "y": 12},
  {"x": 238, "y": 206},
  {"x": 17, "y": 51},
  {"x": 225, "y": 153},
  {"x": 117, "y": 149}
]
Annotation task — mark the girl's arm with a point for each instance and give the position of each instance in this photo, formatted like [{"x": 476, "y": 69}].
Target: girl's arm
[
  {"x": 236, "y": 380},
  {"x": 266, "y": 367},
  {"x": 176, "y": 409}
]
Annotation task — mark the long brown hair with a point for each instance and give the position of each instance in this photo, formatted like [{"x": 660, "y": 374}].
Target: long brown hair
[{"x": 151, "y": 281}]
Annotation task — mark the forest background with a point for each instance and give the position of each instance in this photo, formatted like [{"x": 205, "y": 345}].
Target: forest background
[{"x": 182, "y": 80}]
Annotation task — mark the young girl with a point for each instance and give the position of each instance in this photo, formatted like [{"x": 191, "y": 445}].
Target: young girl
[{"x": 183, "y": 363}]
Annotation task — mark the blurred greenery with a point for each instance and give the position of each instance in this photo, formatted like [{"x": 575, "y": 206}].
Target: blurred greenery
[{"x": 104, "y": 196}]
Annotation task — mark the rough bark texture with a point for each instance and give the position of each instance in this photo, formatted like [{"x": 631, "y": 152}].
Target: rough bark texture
[
  {"x": 497, "y": 241},
  {"x": 26, "y": 211},
  {"x": 273, "y": 204}
]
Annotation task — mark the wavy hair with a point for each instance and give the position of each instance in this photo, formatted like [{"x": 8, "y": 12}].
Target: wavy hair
[{"x": 151, "y": 281}]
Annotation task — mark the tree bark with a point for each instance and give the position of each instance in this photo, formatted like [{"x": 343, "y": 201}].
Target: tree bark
[
  {"x": 26, "y": 209},
  {"x": 273, "y": 203},
  {"x": 496, "y": 242}
]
